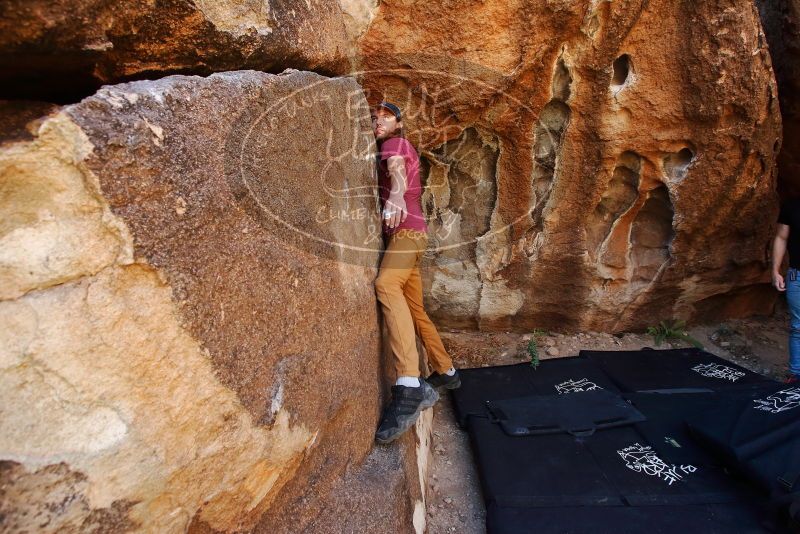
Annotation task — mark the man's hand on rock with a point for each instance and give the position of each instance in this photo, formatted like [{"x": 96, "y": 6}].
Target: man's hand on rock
[{"x": 394, "y": 212}]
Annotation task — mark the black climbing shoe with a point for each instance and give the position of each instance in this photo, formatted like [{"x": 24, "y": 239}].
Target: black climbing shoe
[
  {"x": 438, "y": 380},
  {"x": 404, "y": 409}
]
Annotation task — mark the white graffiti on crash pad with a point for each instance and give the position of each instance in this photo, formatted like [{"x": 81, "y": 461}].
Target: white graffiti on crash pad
[
  {"x": 643, "y": 459},
  {"x": 780, "y": 401},
  {"x": 716, "y": 370},
  {"x": 575, "y": 386}
]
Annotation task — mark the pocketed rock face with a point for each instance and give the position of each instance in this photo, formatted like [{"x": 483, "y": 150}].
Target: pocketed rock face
[
  {"x": 781, "y": 21},
  {"x": 68, "y": 47},
  {"x": 175, "y": 352},
  {"x": 620, "y": 157}
]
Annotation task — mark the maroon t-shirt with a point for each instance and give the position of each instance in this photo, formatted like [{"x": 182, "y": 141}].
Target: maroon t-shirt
[{"x": 399, "y": 146}]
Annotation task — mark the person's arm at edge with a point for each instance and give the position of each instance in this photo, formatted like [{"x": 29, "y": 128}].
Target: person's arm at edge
[
  {"x": 778, "y": 251},
  {"x": 396, "y": 201}
]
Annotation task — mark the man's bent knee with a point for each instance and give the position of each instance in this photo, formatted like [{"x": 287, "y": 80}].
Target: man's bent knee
[{"x": 387, "y": 285}]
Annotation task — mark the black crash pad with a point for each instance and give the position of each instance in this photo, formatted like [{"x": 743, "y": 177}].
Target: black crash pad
[
  {"x": 776, "y": 470},
  {"x": 688, "y": 368},
  {"x": 552, "y": 377},
  {"x": 739, "y": 518},
  {"x": 613, "y": 467},
  {"x": 747, "y": 425},
  {"x": 665, "y": 427},
  {"x": 579, "y": 414}
]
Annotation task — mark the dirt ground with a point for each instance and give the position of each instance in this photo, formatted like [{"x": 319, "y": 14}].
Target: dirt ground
[{"x": 455, "y": 504}]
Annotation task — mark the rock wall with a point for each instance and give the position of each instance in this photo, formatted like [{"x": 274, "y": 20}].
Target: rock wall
[
  {"x": 781, "y": 21},
  {"x": 189, "y": 338},
  {"x": 589, "y": 164},
  {"x": 62, "y": 50},
  {"x": 186, "y": 345}
]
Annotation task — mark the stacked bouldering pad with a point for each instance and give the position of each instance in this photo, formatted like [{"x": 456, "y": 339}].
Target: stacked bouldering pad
[{"x": 661, "y": 441}]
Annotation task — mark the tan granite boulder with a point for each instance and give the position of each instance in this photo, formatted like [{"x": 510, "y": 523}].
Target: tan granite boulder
[
  {"x": 185, "y": 343},
  {"x": 588, "y": 165}
]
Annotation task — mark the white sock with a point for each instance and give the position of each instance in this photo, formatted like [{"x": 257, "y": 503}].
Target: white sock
[
  {"x": 408, "y": 381},
  {"x": 451, "y": 371}
]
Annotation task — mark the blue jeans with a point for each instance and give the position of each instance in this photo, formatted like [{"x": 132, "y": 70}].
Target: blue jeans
[{"x": 792, "y": 281}]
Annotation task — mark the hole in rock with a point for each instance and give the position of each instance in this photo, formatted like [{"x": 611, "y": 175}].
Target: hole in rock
[
  {"x": 562, "y": 80},
  {"x": 548, "y": 136},
  {"x": 460, "y": 187},
  {"x": 651, "y": 234},
  {"x": 677, "y": 165},
  {"x": 620, "y": 194},
  {"x": 622, "y": 67}
]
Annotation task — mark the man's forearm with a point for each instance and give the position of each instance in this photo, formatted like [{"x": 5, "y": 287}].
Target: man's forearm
[
  {"x": 399, "y": 182},
  {"x": 778, "y": 251}
]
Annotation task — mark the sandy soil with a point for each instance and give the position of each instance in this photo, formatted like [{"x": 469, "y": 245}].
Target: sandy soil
[{"x": 454, "y": 497}]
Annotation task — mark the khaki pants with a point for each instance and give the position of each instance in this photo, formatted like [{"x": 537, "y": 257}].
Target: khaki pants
[{"x": 399, "y": 290}]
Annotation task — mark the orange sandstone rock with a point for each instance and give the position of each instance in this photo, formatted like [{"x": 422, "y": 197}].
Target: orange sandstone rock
[{"x": 590, "y": 165}]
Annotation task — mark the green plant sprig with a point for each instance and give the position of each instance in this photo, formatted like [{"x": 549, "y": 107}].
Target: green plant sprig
[
  {"x": 672, "y": 330},
  {"x": 533, "y": 346}
]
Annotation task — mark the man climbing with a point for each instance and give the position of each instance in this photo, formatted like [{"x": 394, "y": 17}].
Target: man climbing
[
  {"x": 788, "y": 231},
  {"x": 399, "y": 284}
]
